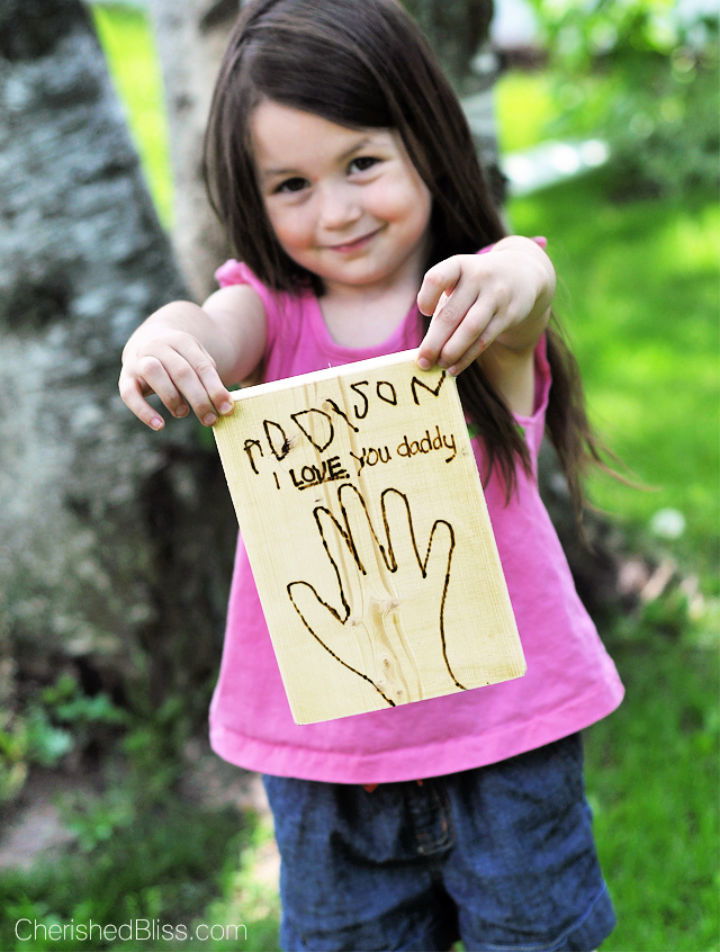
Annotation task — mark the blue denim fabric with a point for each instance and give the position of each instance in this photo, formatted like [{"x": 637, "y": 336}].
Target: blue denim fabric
[{"x": 501, "y": 857}]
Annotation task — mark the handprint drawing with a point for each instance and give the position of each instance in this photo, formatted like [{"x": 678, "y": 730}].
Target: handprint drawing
[{"x": 385, "y": 583}]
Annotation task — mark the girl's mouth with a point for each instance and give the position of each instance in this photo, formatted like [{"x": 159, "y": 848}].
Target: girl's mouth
[{"x": 356, "y": 244}]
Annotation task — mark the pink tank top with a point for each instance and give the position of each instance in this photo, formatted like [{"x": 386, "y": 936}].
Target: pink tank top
[{"x": 570, "y": 683}]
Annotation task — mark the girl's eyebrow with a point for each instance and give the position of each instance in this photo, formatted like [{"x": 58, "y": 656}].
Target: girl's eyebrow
[{"x": 360, "y": 144}]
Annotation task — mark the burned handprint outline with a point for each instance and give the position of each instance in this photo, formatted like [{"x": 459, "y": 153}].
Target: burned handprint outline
[{"x": 368, "y": 599}]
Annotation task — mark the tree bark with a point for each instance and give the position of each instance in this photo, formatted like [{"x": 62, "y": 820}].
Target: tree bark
[
  {"x": 111, "y": 563},
  {"x": 459, "y": 33},
  {"x": 456, "y": 32},
  {"x": 190, "y": 39}
]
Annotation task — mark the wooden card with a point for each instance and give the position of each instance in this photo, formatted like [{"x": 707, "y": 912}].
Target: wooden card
[{"x": 360, "y": 504}]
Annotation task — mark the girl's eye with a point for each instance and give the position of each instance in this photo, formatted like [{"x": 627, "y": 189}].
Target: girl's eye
[
  {"x": 362, "y": 163},
  {"x": 291, "y": 185}
]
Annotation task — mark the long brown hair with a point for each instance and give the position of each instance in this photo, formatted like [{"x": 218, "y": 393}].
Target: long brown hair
[{"x": 367, "y": 65}]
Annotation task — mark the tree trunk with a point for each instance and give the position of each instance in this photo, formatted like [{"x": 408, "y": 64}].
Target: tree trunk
[
  {"x": 459, "y": 34},
  {"x": 456, "y": 32},
  {"x": 190, "y": 39},
  {"x": 112, "y": 566}
]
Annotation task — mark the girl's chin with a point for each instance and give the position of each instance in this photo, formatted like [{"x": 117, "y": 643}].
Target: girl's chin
[{"x": 359, "y": 281}]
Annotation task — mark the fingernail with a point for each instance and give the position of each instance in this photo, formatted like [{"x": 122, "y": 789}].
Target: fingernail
[
  {"x": 226, "y": 407},
  {"x": 182, "y": 411},
  {"x": 209, "y": 419},
  {"x": 156, "y": 423},
  {"x": 424, "y": 363}
]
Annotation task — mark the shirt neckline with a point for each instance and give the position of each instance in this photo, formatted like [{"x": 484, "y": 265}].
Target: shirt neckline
[
  {"x": 389, "y": 345},
  {"x": 397, "y": 340}
]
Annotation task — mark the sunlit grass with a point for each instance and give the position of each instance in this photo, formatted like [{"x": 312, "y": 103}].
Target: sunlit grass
[
  {"x": 652, "y": 777},
  {"x": 642, "y": 314}
]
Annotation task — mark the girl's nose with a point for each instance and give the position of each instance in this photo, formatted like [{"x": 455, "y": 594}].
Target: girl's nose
[{"x": 340, "y": 206}]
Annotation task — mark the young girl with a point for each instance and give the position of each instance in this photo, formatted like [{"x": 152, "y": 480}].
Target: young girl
[{"x": 339, "y": 160}]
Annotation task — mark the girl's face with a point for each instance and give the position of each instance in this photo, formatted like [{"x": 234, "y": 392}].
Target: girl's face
[{"x": 346, "y": 204}]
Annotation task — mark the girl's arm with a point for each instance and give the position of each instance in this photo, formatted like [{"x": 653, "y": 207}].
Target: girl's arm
[
  {"x": 188, "y": 355},
  {"x": 501, "y": 299}
]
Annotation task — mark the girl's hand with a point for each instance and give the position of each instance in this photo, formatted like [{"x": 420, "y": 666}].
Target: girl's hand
[
  {"x": 174, "y": 365},
  {"x": 474, "y": 300}
]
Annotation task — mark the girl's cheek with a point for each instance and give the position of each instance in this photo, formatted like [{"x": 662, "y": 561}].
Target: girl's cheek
[
  {"x": 288, "y": 227},
  {"x": 404, "y": 197},
  {"x": 386, "y": 199}
]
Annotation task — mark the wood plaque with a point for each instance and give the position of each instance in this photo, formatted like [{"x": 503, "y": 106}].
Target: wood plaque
[{"x": 361, "y": 507}]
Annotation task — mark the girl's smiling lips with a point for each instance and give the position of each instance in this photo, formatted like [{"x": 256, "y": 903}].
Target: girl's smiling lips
[{"x": 355, "y": 244}]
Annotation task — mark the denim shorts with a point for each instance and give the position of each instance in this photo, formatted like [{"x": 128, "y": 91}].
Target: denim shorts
[{"x": 501, "y": 857}]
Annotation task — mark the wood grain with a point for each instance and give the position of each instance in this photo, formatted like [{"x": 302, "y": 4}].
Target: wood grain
[{"x": 360, "y": 504}]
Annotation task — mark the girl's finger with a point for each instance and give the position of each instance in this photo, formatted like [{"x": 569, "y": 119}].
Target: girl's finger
[
  {"x": 159, "y": 379},
  {"x": 203, "y": 365},
  {"x": 466, "y": 334},
  {"x": 494, "y": 327},
  {"x": 468, "y": 357},
  {"x": 186, "y": 379},
  {"x": 471, "y": 354},
  {"x": 440, "y": 278},
  {"x": 449, "y": 316},
  {"x": 131, "y": 392}
]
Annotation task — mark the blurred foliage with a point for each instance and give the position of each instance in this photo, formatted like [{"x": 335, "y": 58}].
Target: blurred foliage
[
  {"x": 525, "y": 108},
  {"x": 643, "y": 75},
  {"x": 164, "y": 864},
  {"x": 141, "y": 850},
  {"x": 58, "y": 721}
]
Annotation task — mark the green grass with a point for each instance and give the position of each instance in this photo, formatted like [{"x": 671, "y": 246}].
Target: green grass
[
  {"x": 170, "y": 866},
  {"x": 652, "y": 780},
  {"x": 640, "y": 298}
]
